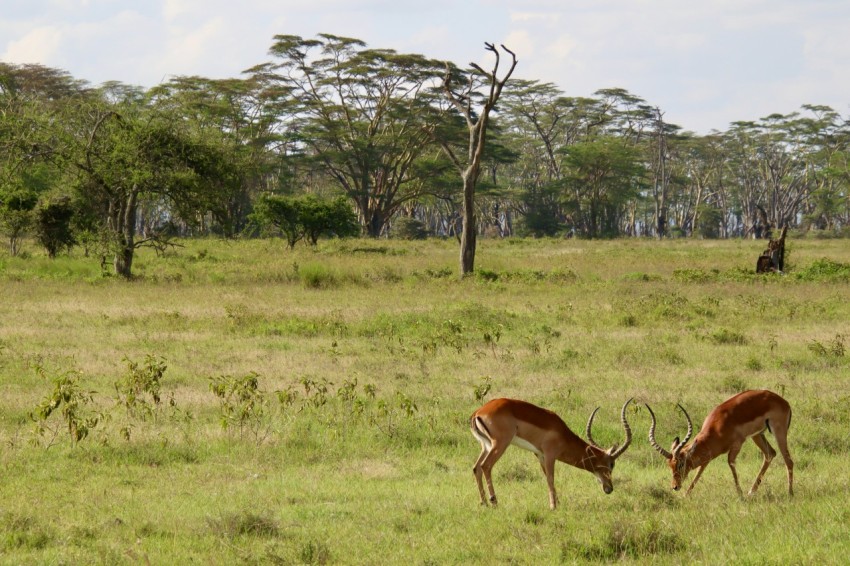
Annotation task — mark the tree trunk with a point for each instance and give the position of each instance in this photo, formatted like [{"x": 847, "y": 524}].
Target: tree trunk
[
  {"x": 126, "y": 235},
  {"x": 123, "y": 261},
  {"x": 375, "y": 225},
  {"x": 468, "y": 234}
]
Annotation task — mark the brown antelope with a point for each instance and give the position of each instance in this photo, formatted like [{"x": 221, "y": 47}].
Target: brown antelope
[
  {"x": 503, "y": 422},
  {"x": 726, "y": 428}
]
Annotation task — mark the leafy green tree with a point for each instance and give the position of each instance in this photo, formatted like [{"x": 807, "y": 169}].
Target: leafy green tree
[
  {"x": 282, "y": 213},
  {"x": 542, "y": 212},
  {"x": 409, "y": 228},
  {"x": 53, "y": 224},
  {"x": 601, "y": 177},
  {"x": 124, "y": 154},
  {"x": 248, "y": 118},
  {"x": 306, "y": 217},
  {"x": 327, "y": 218},
  {"x": 364, "y": 116},
  {"x": 16, "y": 216}
]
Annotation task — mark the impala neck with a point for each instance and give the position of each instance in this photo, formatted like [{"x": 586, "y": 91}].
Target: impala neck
[
  {"x": 580, "y": 454},
  {"x": 698, "y": 452}
]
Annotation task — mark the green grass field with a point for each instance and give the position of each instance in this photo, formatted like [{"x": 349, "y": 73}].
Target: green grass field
[{"x": 313, "y": 405}]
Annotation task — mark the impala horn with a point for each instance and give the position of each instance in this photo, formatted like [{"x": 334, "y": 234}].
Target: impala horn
[
  {"x": 680, "y": 445},
  {"x": 652, "y": 435},
  {"x": 676, "y": 444},
  {"x": 614, "y": 452}
]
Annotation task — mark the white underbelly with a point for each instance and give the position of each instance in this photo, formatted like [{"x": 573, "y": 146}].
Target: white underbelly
[{"x": 526, "y": 445}]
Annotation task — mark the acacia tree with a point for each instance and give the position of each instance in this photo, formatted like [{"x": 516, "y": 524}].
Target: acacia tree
[
  {"x": 245, "y": 115},
  {"x": 122, "y": 154},
  {"x": 364, "y": 116},
  {"x": 603, "y": 175},
  {"x": 27, "y": 92},
  {"x": 477, "y": 121}
]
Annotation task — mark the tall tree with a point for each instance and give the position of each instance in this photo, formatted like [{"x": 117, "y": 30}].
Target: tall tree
[
  {"x": 244, "y": 114},
  {"x": 603, "y": 175},
  {"x": 363, "y": 115},
  {"x": 477, "y": 121},
  {"x": 121, "y": 154}
]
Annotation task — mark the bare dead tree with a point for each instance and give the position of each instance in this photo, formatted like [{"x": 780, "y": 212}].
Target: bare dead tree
[{"x": 476, "y": 122}]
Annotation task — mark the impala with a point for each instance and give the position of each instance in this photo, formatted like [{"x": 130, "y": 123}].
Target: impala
[
  {"x": 726, "y": 428},
  {"x": 503, "y": 422}
]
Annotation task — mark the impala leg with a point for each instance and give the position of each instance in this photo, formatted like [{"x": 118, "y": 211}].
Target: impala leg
[
  {"x": 549, "y": 470},
  {"x": 733, "y": 454},
  {"x": 486, "y": 466},
  {"x": 476, "y": 469},
  {"x": 781, "y": 434},
  {"x": 769, "y": 453},
  {"x": 693, "y": 483}
]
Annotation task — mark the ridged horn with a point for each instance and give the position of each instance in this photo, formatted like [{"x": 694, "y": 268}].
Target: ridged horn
[
  {"x": 589, "y": 426},
  {"x": 652, "y": 435},
  {"x": 680, "y": 445},
  {"x": 616, "y": 452}
]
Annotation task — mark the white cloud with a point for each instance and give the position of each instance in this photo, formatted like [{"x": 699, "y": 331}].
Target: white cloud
[
  {"x": 190, "y": 49},
  {"x": 705, "y": 64},
  {"x": 40, "y": 45},
  {"x": 550, "y": 18},
  {"x": 562, "y": 48},
  {"x": 520, "y": 41}
]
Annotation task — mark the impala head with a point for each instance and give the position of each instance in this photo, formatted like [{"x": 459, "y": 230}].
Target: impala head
[
  {"x": 676, "y": 458},
  {"x": 600, "y": 462}
]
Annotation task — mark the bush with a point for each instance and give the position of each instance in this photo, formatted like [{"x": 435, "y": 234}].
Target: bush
[
  {"x": 409, "y": 228},
  {"x": 53, "y": 225},
  {"x": 305, "y": 217},
  {"x": 825, "y": 270}
]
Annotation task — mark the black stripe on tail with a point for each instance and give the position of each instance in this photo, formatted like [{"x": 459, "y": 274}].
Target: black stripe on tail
[{"x": 478, "y": 423}]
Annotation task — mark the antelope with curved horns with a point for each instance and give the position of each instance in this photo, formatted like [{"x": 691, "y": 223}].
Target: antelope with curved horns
[
  {"x": 502, "y": 422},
  {"x": 726, "y": 428}
]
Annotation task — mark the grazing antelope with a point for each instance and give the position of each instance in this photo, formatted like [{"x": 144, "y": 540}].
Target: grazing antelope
[
  {"x": 503, "y": 422},
  {"x": 726, "y": 428}
]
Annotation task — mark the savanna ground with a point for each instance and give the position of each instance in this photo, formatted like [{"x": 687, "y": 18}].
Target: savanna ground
[{"x": 345, "y": 377}]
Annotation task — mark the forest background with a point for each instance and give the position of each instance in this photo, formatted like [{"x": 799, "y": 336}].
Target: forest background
[{"x": 115, "y": 167}]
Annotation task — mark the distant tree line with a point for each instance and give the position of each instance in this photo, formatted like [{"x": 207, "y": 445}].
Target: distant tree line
[{"x": 366, "y": 140}]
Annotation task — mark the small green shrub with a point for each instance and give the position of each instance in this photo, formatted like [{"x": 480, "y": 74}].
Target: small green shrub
[
  {"x": 242, "y": 404},
  {"x": 487, "y": 275},
  {"x": 314, "y": 552},
  {"x": 139, "y": 390},
  {"x": 824, "y": 270},
  {"x": 481, "y": 390},
  {"x": 409, "y": 228},
  {"x": 834, "y": 348},
  {"x": 74, "y": 404}
]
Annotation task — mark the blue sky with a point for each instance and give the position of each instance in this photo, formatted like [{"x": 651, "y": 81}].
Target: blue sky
[{"x": 705, "y": 64}]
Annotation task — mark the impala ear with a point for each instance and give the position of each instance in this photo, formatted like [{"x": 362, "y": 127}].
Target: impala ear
[{"x": 675, "y": 444}]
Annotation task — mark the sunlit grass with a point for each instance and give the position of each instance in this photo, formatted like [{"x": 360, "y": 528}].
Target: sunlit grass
[{"x": 369, "y": 356}]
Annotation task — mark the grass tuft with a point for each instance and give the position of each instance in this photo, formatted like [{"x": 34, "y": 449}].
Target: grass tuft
[{"x": 243, "y": 523}]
